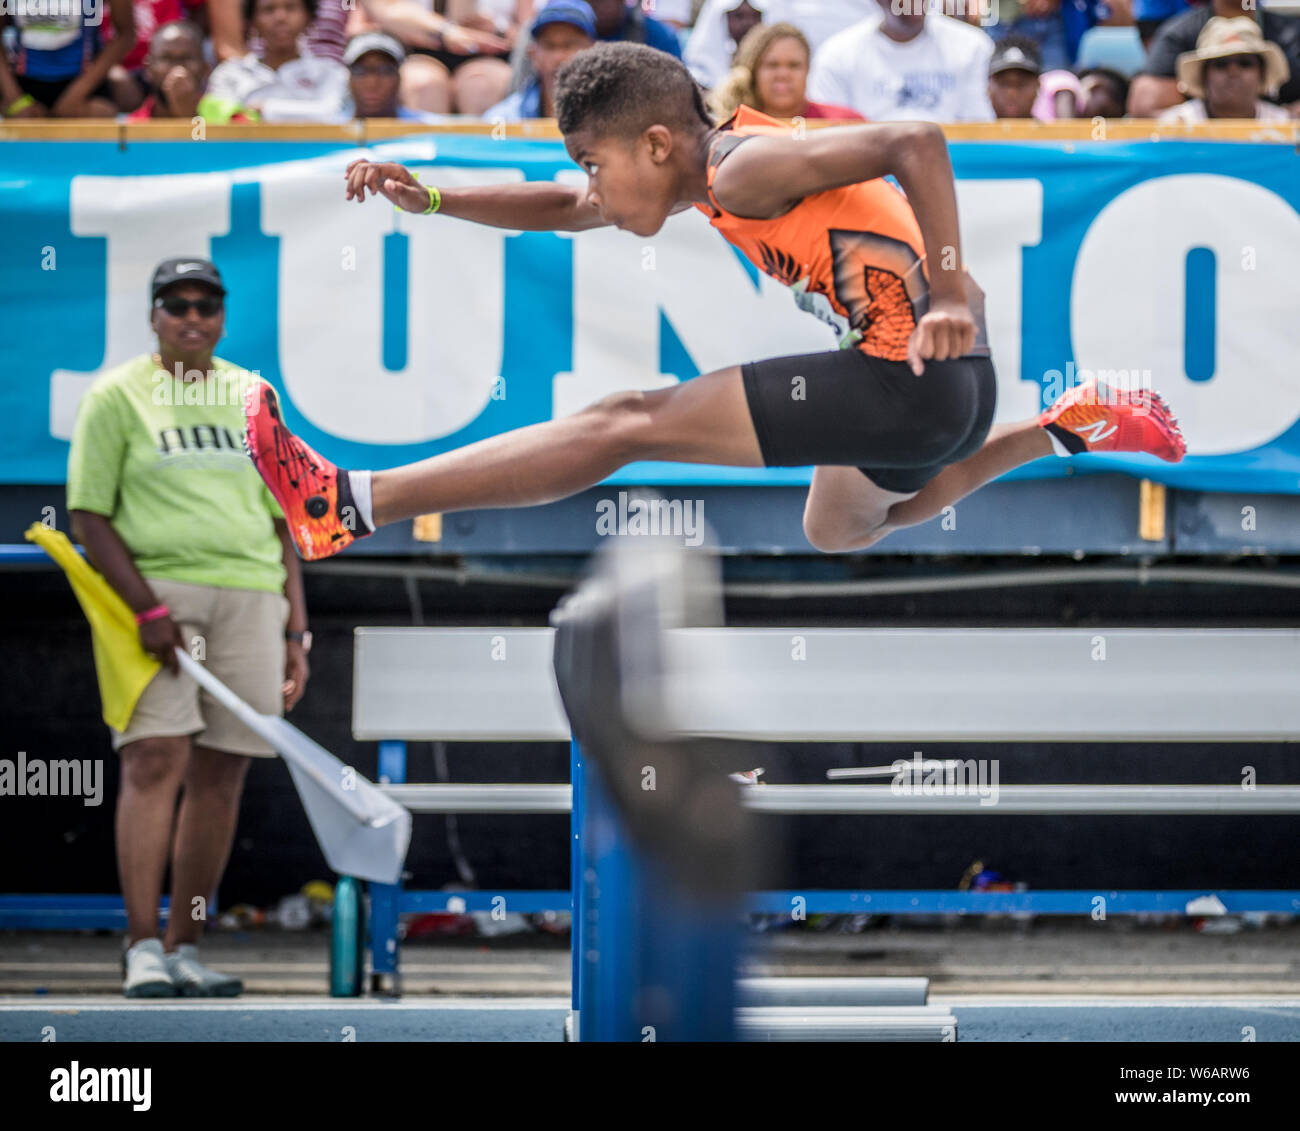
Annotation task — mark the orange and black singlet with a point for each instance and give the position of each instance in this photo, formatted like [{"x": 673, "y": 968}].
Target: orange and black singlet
[{"x": 853, "y": 256}]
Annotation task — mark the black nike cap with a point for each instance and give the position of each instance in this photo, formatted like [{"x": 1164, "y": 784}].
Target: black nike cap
[{"x": 185, "y": 270}]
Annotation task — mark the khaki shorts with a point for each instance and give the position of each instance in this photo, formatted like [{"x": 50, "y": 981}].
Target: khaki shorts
[{"x": 240, "y": 639}]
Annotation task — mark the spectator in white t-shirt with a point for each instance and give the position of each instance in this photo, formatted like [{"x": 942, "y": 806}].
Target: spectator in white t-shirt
[
  {"x": 908, "y": 66},
  {"x": 285, "y": 83}
]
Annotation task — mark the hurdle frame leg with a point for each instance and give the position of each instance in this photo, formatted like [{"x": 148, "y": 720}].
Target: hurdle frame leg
[
  {"x": 577, "y": 870},
  {"x": 386, "y": 899},
  {"x": 650, "y": 963}
]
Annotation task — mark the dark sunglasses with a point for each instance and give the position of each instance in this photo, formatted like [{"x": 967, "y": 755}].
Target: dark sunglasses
[
  {"x": 207, "y": 306},
  {"x": 383, "y": 71},
  {"x": 1245, "y": 62}
]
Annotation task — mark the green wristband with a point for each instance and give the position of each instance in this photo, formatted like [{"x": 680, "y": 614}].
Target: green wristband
[
  {"x": 435, "y": 198},
  {"x": 18, "y": 105}
]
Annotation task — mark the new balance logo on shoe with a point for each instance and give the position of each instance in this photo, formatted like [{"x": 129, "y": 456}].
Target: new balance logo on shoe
[{"x": 1096, "y": 431}]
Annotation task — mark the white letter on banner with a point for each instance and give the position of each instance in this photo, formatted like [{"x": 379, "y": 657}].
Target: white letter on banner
[
  {"x": 999, "y": 219},
  {"x": 703, "y": 292},
  {"x": 1128, "y": 305},
  {"x": 331, "y": 321},
  {"x": 139, "y": 218}
]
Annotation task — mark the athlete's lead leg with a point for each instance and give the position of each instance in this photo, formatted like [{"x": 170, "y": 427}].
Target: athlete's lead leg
[{"x": 704, "y": 420}]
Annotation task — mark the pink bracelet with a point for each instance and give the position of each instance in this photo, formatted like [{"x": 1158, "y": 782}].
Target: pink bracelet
[{"x": 156, "y": 613}]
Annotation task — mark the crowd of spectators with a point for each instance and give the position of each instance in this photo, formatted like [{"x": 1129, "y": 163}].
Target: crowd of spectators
[{"x": 331, "y": 61}]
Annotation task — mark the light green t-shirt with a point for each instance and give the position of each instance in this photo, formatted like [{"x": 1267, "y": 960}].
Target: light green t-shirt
[{"x": 163, "y": 460}]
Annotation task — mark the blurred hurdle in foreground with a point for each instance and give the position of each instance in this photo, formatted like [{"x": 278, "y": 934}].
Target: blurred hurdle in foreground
[{"x": 649, "y": 697}]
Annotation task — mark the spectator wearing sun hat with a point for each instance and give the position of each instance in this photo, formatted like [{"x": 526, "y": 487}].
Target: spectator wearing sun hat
[
  {"x": 1156, "y": 87},
  {"x": 1233, "y": 65}
]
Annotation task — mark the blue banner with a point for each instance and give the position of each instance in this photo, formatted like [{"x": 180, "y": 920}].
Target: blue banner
[{"x": 1168, "y": 264}]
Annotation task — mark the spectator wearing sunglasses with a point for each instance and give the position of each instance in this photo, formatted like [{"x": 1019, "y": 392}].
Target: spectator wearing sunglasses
[
  {"x": 374, "y": 62},
  {"x": 1232, "y": 66},
  {"x": 1156, "y": 87},
  {"x": 174, "y": 516}
]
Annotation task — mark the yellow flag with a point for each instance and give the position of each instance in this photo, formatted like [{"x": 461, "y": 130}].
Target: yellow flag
[{"x": 124, "y": 668}]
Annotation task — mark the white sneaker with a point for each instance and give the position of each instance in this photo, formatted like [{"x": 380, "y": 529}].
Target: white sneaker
[
  {"x": 145, "y": 971},
  {"x": 193, "y": 979},
  {"x": 748, "y": 777}
]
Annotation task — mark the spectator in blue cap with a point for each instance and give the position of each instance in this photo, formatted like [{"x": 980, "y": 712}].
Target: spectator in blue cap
[
  {"x": 560, "y": 30},
  {"x": 628, "y": 22},
  {"x": 623, "y": 21}
]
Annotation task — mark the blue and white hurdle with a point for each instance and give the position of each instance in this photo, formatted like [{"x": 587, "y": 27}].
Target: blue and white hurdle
[{"x": 710, "y": 683}]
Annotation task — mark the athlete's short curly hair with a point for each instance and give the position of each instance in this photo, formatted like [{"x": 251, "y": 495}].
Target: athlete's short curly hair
[{"x": 623, "y": 88}]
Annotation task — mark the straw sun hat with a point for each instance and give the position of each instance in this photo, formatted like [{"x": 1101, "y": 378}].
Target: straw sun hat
[{"x": 1223, "y": 37}]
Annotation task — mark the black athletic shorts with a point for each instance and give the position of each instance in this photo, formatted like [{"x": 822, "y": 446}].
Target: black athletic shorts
[
  {"x": 846, "y": 408},
  {"x": 47, "y": 91},
  {"x": 453, "y": 60}
]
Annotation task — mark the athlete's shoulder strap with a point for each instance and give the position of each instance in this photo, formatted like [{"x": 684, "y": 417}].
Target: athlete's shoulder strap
[
  {"x": 722, "y": 145},
  {"x": 745, "y": 123},
  {"x": 746, "y": 117}
]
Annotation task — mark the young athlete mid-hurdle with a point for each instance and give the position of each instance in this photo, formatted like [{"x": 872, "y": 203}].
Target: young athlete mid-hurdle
[{"x": 897, "y": 422}]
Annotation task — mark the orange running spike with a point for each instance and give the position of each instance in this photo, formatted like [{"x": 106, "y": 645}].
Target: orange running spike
[
  {"x": 1095, "y": 417},
  {"x": 314, "y": 496}
]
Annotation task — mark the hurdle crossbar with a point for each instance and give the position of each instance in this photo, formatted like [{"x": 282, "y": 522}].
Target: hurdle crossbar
[
  {"x": 832, "y": 991},
  {"x": 795, "y": 800},
  {"x": 856, "y": 685}
]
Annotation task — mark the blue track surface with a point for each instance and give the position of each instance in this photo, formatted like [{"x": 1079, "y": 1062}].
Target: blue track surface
[
  {"x": 540, "y": 1019},
  {"x": 287, "y": 1019},
  {"x": 1126, "y": 1019}
]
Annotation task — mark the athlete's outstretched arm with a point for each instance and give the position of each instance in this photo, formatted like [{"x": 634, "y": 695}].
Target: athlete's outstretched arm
[
  {"x": 767, "y": 175},
  {"x": 532, "y": 206}
]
